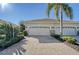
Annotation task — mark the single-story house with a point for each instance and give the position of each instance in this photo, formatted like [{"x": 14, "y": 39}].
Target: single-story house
[{"x": 47, "y": 26}]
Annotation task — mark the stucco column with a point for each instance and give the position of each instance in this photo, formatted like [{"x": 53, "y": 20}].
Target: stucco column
[
  {"x": 50, "y": 27},
  {"x": 76, "y": 30}
]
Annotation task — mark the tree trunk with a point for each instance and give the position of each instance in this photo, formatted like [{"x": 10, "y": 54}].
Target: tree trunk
[{"x": 61, "y": 22}]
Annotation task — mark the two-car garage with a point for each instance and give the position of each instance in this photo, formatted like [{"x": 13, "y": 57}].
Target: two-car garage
[
  {"x": 46, "y": 26},
  {"x": 43, "y": 30}
]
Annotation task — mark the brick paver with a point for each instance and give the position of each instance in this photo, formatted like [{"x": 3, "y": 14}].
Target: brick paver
[{"x": 35, "y": 45}]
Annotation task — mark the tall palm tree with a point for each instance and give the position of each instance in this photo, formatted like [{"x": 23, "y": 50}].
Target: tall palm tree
[{"x": 59, "y": 8}]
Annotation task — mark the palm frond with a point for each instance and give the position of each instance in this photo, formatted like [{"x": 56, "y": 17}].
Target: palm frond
[
  {"x": 50, "y": 6},
  {"x": 68, "y": 11},
  {"x": 56, "y": 11}
]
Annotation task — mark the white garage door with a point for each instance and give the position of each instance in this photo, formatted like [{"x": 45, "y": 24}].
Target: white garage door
[
  {"x": 67, "y": 31},
  {"x": 38, "y": 31}
]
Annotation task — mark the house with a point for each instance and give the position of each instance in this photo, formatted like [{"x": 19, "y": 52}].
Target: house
[{"x": 47, "y": 26}]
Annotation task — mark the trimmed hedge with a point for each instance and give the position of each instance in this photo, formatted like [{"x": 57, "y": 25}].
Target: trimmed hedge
[
  {"x": 25, "y": 33},
  {"x": 9, "y": 34}
]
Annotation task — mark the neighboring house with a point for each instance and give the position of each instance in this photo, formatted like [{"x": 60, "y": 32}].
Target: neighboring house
[{"x": 47, "y": 26}]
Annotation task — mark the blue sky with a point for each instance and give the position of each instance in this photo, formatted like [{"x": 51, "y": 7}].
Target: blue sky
[{"x": 29, "y": 11}]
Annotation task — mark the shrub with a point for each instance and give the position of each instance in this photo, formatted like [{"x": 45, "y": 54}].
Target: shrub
[
  {"x": 69, "y": 39},
  {"x": 2, "y": 37},
  {"x": 22, "y": 27},
  {"x": 25, "y": 33},
  {"x": 57, "y": 37},
  {"x": 9, "y": 34},
  {"x": 20, "y": 34},
  {"x": 78, "y": 32}
]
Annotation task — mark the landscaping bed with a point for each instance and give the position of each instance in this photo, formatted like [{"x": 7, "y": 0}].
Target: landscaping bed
[
  {"x": 68, "y": 40},
  {"x": 10, "y": 44},
  {"x": 57, "y": 37},
  {"x": 10, "y": 34},
  {"x": 71, "y": 41},
  {"x": 74, "y": 46}
]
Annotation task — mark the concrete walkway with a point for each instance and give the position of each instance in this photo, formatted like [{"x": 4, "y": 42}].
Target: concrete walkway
[{"x": 39, "y": 45}]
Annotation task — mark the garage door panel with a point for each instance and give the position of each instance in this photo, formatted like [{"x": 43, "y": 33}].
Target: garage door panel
[
  {"x": 46, "y": 31},
  {"x": 39, "y": 31},
  {"x": 66, "y": 31},
  {"x": 69, "y": 31}
]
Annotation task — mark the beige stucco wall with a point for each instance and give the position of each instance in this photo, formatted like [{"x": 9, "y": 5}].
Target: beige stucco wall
[{"x": 49, "y": 24}]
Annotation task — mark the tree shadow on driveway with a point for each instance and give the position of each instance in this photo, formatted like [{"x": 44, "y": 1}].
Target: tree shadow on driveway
[
  {"x": 16, "y": 49},
  {"x": 45, "y": 39}
]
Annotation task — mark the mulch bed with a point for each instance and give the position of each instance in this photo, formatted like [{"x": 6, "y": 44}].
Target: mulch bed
[{"x": 74, "y": 46}]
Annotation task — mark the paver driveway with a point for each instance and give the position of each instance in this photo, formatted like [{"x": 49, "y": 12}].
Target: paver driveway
[
  {"x": 40, "y": 45},
  {"x": 45, "y": 39}
]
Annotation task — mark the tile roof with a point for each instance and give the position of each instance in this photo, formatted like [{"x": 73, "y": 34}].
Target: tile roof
[{"x": 49, "y": 21}]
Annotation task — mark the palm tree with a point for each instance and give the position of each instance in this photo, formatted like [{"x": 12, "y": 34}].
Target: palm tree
[{"x": 59, "y": 8}]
